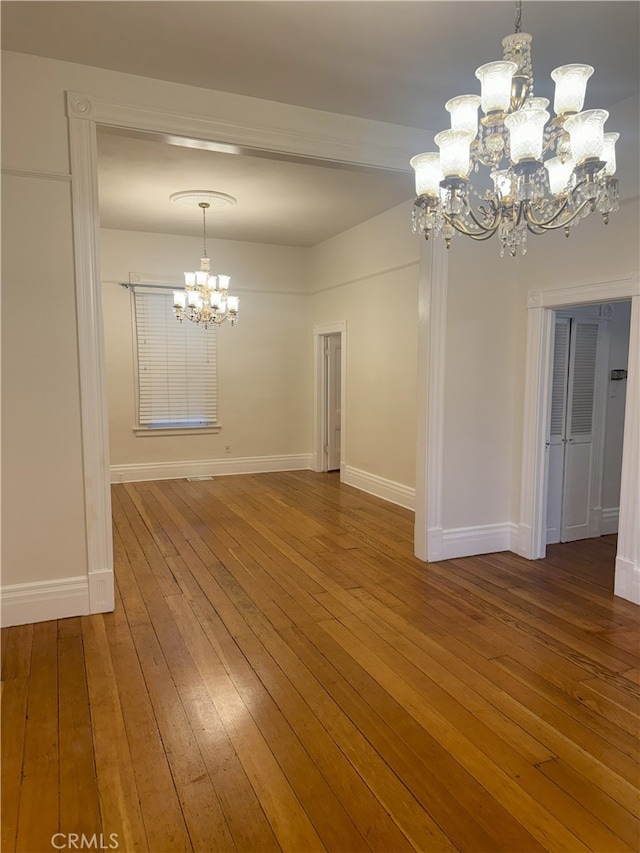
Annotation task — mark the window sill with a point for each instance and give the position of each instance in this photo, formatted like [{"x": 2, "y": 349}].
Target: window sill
[{"x": 150, "y": 431}]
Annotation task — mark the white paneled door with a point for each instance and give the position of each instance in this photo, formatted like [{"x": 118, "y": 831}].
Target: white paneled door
[
  {"x": 332, "y": 355},
  {"x": 572, "y": 431}
]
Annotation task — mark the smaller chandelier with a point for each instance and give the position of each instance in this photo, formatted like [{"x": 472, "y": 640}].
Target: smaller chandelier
[
  {"x": 528, "y": 193},
  {"x": 205, "y": 298}
]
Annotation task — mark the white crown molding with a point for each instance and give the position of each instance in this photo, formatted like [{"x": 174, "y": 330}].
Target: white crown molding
[
  {"x": 134, "y": 473},
  {"x": 102, "y": 111},
  {"x": 388, "y": 490},
  {"x": 42, "y": 601}
]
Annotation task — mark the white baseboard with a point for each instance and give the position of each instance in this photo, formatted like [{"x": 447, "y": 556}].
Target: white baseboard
[
  {"x": 388, "y": 490},
  {"x": 40, "y": 601},
  {"x": 610, "y": 516},
  {"x": 627, "y": 580},
  {"x": 483, "y": 539},
  {"x": 209, "y": 467}
]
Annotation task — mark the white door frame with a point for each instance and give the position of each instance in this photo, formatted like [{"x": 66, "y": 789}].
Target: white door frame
[
  {"x": 320, "y": 332},
  {"x": 532, "y": 526}
]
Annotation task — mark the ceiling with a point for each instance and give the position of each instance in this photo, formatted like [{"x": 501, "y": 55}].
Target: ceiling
[{"x": 391, "y": 61}]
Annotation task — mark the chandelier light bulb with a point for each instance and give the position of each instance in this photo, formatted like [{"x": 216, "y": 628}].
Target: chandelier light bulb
[
  {"x": 464, "y": 112},
  {"x": 586, "y": 131},
  {"x": 223, "y": 282},
  {"x": 454, "y": 148},
  {"x": 495, "y": 79},
  {"x": 609, "y": 152},
  {"x": 179, "y": 299},
  {"x": 526, "y": 130},
  {"x": 559, "y": 174},
  {"x": 571, "y": 86},
  {"x": 428, "y": 173}
]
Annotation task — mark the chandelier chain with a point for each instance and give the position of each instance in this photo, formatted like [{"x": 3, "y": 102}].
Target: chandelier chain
[
  {"x": 518, "y": 28},
  {"x": 204, "y": 207}
]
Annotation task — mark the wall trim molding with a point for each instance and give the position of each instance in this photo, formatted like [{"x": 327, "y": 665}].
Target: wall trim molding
[
  {"x": 42, "y": 601},
  {"x": 39, "y": 175},
  {"x": 365, "y": 277},
  {"x": 87, "y": 107},
  {"x": 610, "y": 519},
  {"x": 604, "y": 291},
  {"x": 481, "y": 539},
  {"x": 140, "y": 472},
  {"x": 388, "y": 490},
  {"x": 627, "y": 581}
]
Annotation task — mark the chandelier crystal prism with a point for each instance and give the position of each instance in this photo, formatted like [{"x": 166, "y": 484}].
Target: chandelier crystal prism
[
  {"x": 545, "y": 173},
  {"x": 205, "y": 298}
]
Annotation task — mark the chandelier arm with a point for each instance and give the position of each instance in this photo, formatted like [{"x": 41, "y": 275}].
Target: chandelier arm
[
  {"x": 552, "y": 223},
  {"x": 483, "y": 234},
  {"x": 497, "y": 219}
]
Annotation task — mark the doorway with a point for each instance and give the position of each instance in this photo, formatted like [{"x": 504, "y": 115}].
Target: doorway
[
  {"x": 531, "y": 539},
  {"x": 330, "y": 373},
  {"x": 586, "y": 421}
]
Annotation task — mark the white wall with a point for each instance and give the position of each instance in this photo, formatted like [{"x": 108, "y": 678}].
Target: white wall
[
  {"x": 479, "y": 385},
  {"x": 42, "y": 488},
  {"x": 368, "y": 276},
  {"x": 264, "y": 398}
]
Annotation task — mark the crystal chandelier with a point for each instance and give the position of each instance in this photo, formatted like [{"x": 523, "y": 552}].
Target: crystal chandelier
[
  {"x": 529, "y": 193},
  {"x": 205, "y": 298}
]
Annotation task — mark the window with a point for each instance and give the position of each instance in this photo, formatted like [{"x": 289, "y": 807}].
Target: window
[{"x": 177, "y": 373}]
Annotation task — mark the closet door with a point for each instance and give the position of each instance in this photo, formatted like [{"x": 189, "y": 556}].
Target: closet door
[
  {"x": 579, "y": 431},
  {"x": 556, "y": 433}
]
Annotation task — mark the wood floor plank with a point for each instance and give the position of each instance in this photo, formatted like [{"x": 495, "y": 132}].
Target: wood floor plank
[
  {"x": 15, "y": 695},
  {"x": 38, "y": 815},
  {"x": 119, "y": 803},
  {"x": 79, "y": 797},
  {"x": 282, "y": 674},
  {"x": 623, "y": 823},
  {"x": 159, "y": 801}
]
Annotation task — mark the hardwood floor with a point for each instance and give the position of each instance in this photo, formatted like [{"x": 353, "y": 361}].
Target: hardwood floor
[{"x": 280, "y": 673}]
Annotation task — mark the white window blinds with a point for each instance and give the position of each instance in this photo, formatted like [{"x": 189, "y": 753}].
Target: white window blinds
[{"x": 177, "y": 369}]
